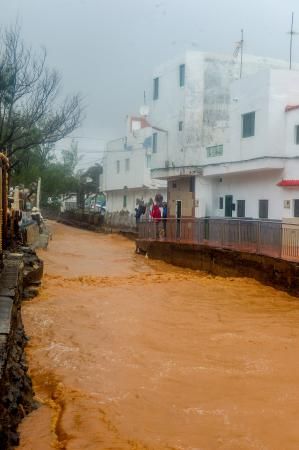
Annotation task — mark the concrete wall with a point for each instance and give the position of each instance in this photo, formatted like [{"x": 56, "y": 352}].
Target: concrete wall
[
  {"x": 251, "y": 187},
  {"x": 115, "y": 199},
  {"x": 203, "y": 104},
  {"x": 179, "y": 189}
]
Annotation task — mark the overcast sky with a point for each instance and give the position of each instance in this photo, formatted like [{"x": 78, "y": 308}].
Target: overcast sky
[{"x": 107, "y": 49}]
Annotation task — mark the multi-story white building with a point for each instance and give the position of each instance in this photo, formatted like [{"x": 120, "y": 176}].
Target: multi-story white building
[
  {"x": 126, "y": 177},
  {"x": 193, "y": 104},
  {"x": 254, "y": 171}
]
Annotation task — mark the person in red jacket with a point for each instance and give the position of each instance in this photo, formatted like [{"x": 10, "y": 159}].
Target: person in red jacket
[
  {"x": 156, "y": 213},
  {"x": 156, "y": 216}
]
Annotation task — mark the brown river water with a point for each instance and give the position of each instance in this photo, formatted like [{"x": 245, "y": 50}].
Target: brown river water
[{"x": 133, "y": 354}]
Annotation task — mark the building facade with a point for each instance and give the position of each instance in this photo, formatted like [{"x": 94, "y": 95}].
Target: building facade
[
  {"x": 256, "y": 173},
  {"x": 126, "y": 178},
  {"x": 193, "y": 103}
]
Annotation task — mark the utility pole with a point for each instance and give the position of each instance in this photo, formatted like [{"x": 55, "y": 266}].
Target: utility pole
[
  {"x": 292, "y": 33},
  {"x": 241, "y": 47}
]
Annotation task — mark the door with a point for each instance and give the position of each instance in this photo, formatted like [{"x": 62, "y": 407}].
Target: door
[
  {"x": 178, "y": 214},
  {"x": 228, "y": 206}
]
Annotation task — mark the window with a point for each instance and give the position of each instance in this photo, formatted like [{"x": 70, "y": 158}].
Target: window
[
  {"x": 181, "y": 124},
  {"x": 297, "y": 134},
  {"x": 192, "y": 184},
  {"x": 125, "y": 201},
  {"x": 117, "y": 166},
  {"x": 248, "y": 124},
  {"x": 215, "y": 150},
  {"x": 263, "y": 209},
  {"x": 296, "y": 207},
  {"x": 156, "y": 89},
  {"x": 182, "y": 75},
  {"x": 148, "y": 161},
  {"x": 240, "y": 208},
  {"x": 155, "y": 142},
  {"x": 127, "y": 164},
  {"x": 174, "y": 184},
  {"x": 220, "y": 202}
]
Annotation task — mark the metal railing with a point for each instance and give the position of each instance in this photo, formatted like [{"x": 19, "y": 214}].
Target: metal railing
[{"x": 265, "y": 237}]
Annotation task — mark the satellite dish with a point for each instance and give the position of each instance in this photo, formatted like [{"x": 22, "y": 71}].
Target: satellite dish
[{"x": 144, "y": 110}]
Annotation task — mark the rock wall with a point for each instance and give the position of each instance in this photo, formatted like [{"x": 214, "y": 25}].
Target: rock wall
[
  {"x": 16, "y": 394},
  {"x": 276, "y": 272}
]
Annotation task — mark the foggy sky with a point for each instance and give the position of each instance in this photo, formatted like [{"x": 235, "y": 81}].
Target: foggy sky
[{"x": 108, "y": 49}]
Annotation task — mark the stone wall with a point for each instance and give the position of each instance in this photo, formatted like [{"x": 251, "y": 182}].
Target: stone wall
[
  {"x": 15, "y": 385},
  {"x": 277, "y": 272}
]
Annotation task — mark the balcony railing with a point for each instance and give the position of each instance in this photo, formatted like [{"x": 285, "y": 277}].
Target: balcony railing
[{"x": 265, "y": 237}]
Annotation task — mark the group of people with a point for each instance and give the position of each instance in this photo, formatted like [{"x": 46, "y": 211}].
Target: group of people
[{"x": 156, "y": 212}]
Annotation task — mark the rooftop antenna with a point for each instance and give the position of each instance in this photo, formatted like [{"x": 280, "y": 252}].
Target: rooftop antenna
[
  {"x": 240, "y": 48},
  {"x": 292, "y": 33}
]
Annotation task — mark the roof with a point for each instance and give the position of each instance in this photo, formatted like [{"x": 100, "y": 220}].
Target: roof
[
  {"x": 288, "y": 183},
  {"x": 291, "y": 107}
]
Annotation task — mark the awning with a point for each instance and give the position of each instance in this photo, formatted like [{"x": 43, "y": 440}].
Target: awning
[{"x": 288, "y": 183}]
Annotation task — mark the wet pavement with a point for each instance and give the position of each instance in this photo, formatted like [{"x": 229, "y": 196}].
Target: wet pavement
[{"x": 128, "y": 353}]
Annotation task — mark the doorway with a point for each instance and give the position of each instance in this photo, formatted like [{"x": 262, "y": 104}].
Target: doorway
[{"x": 228, "y": 206}]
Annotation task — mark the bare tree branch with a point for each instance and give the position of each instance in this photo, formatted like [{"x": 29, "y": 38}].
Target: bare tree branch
[{"x": 30, "y": 111}]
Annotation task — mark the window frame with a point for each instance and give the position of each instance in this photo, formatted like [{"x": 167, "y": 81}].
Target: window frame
[
  {"x": 182, "y": 75},
  {"x": 156, "y": 88},
  {"x": 155, "y": 142},
  {"x": 241, "y": 208},
  {"x": 260, "y": 209},
  {"x": 248, "y": 129}
]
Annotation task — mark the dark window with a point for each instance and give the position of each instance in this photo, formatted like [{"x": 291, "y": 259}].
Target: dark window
[
  {"x": 117, "y": 166},
  {"x": 263, "y": 209},
  {"x": 229, "y": 205},
  {"x": 248, "y": 124},
  {"x": 296, "y": 207},
  {"x": 220, "y": 202},
  {"x": 240, "y": 208},
  {"x": 297, "y": 134},
  {"x": 174, "y": 184},
  {"x": 181, "y": 125},
  {"x": 192, "y": 184},
  {"x": 156, "y": 89},
  {"x": 155, "y": 142},
  {"x": 125, "y": 201},
  {"x": 182, "y": 75}
]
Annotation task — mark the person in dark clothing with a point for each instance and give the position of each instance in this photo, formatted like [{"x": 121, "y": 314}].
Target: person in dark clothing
[
  {"x": 164, "y": 217},
  {"x": 139, "y": 212}
]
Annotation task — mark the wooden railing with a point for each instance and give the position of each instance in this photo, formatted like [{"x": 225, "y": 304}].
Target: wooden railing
[{"x": 266, "y": 237}]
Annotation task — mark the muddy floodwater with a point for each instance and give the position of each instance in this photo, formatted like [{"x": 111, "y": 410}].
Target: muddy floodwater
[{"x": 129, "y": 353}]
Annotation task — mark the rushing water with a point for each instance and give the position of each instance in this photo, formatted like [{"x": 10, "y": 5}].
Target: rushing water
[{"x": 128, "y": 353}]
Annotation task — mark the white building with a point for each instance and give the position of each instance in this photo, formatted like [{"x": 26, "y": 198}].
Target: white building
[
  {"x": 254, "y": 171},
  {"x": 192, "y": 102},
  {"x": 126, "y": 177}
]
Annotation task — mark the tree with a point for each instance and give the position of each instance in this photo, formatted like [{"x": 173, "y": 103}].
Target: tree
[
  {"x": 30, "y": 113},
  {"x": 58, "y": 177}
]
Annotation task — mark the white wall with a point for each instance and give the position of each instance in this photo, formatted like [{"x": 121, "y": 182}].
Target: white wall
[
  {"x": 203, "y": 104},
  {"x": 114, "y": 199},
  {"x": 251, "y": 187}
]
